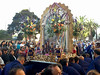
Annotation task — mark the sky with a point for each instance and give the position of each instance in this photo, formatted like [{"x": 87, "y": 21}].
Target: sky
[{"x": 8, "y": 9}]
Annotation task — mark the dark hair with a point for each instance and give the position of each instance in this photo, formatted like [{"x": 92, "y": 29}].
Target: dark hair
[
  {"x": 13, "y": 71},
  {"x": 93, "y": 72},
  {"x": 47, "y": 71},
  {"x": 87, "y": 55},
  {"x": 63, "y": 62},
  {"x": 84, "y": 54},
  {"x": 4, "y": 49},
  {"x": 43, "y": 46},
  {"x": 51, "y": 43},
  {"x": 11, "y": 50},
  {"x": 59, "y": 65},
  {"x": 21, "y": 57},
  {"x": 97, "y": 51},
  {"x": 71, "y": 59},
  {"x": 76, "y": 59}
]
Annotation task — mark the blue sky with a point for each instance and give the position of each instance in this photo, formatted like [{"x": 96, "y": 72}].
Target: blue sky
[{"x": 90, "y": 8}]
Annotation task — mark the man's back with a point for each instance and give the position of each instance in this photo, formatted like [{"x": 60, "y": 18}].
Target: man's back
[
  {"x": 70, "y": 70},
  {"x": 95, "y": 64},
  {"x": 78, "y": 68},
  {"x": 14, "y": 64},
  {"x": 84, "y": 64}
]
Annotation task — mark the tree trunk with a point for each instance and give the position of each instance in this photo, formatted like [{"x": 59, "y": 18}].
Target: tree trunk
[
  {"x": 90, "y": 35},
  {"x": 76, "y": 38}
]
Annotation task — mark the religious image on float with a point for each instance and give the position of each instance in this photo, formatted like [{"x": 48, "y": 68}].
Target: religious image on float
[{"x": 56, "y": 21}]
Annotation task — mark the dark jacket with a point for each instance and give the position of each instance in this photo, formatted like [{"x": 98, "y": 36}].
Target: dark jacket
[
  {"x": 11, "y": 57},
  {"x": 95, "y": 64},
  {"x": 89, "y": 60},
  {"x": 5, "y": 58},
  {"x": 14, "y": 64},
  {"x": 70, "y": 70},
  {"x": 84, "y": 64},
  {"x": 78, "y": 68}
]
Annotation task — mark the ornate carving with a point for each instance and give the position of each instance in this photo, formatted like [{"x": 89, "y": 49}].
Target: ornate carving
[{"x": 67, "y": 15}]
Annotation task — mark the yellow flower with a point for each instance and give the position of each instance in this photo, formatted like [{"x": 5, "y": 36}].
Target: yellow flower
[
  {"x": 54, "y": 30},
  {"x": 58, "y": 15},
  {"x": 31, "y": 31},
  {"x": 31, "y": 23},
  {"x": 34, "y": 25},
  {"x": 34, "y": 29},
  {"x": 54, "y": 10},
  {"x": 62, "y": 24},
  {"x": 24, "y": 24},
  {"x": 52, "y": 19}
]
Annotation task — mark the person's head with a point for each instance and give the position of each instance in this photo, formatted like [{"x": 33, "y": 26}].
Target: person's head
[
  {"x": 12, "y": 52},
  {"x": 52, "y": 45},
  {"x": 16, "y": 71},
  {"x": 47, "y": 42},
  {"x": 5, "y": 51},
  {"x": 74, "y": 45},
  {"x": 56, "y": 70},
  {"x": 10, "y": 44},
  {"x": 12, "y": 41},
  {"x": 21, "y": 59},
  {"x": 22, "y": 42},
  {"x": 71, "y": 60},
  {"x": 98, "y": 45},
  {"x": 76, "y": 60},
  {"x": 81, "y": 57},
  {"x": 0, "y": 52},
  {"x": 38, "y": 45},
  {"x": 63, "y": 62},
  {"x": 43, "y": 46},
  {"x": 93, "y": 72},
  {"x": 26, "y": 48},
  {"x": 93, "y": 43},
  {"x": 47, "y": 71},
  {"x": 3, "y": 42},
  {"x": 23, "y": 48},
  {"x": 96, "y": 52},
  {"x": 87, "y": 55}
]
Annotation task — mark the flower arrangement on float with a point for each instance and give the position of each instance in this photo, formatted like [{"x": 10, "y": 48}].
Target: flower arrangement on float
[
  {"x": 77, "y": 28},
  {"x": 29, "y": 29},
  {"x": 57, "y": 24}
]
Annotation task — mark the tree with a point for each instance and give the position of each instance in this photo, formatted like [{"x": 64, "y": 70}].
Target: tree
[
  {"x": 22, "y": 17},
  {"x": 78, "y": 26},
  {"x": 4, "y": 35},
  {"x": 83, "y": 28},
  {"x": 20, "y": 36},
  {"x": 92, "y": 27}
]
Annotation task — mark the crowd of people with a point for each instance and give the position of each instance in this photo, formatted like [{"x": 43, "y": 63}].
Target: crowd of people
[{"x": 13, "y": 55}]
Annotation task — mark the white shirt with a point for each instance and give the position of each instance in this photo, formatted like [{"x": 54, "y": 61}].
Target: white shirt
[
  {"x": 22, "y": 45},
  {"x": 1, "y": 61}
]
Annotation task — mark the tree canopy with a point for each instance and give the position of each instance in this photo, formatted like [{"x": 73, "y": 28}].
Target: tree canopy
[
  {"x": 21, "y": 17},
  {"x": 82, "y": 28},
  {"x": 4, "y": 35}
]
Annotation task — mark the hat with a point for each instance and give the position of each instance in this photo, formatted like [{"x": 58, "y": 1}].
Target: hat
[
  {"x": 98, "y": 44},
  {"x": 97, "y": 51}
]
